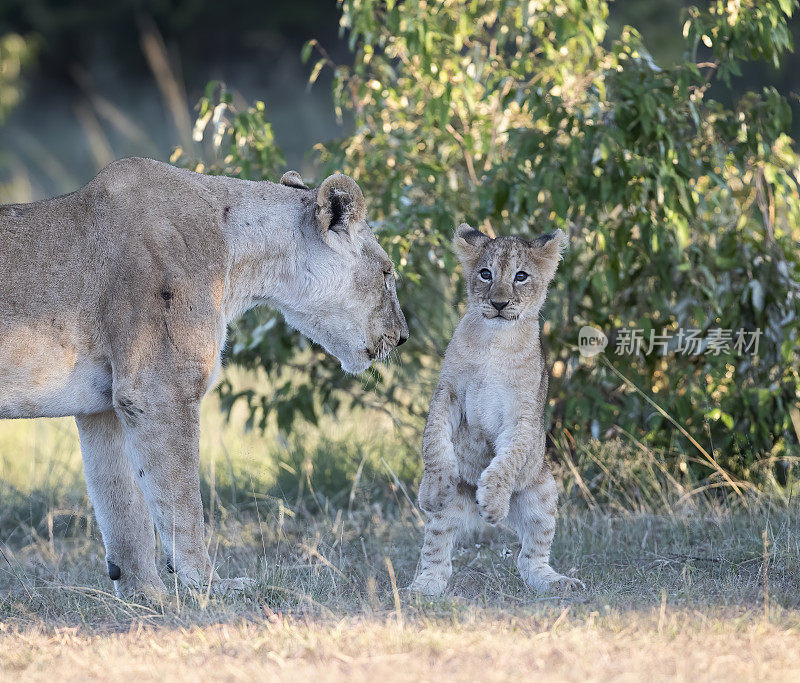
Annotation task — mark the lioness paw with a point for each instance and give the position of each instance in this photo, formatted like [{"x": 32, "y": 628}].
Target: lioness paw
[{"x": 150, "y": 590}]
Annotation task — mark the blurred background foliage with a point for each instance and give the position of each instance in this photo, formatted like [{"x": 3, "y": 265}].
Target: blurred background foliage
[
  {"x": 115, "y": 79},
  {"x": 658, "y": 135},
  {"x": 15, "y": 52}
]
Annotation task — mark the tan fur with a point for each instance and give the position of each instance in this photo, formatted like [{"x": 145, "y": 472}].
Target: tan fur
[
  {"x": 483, "y": 447},
  {"x": 114, "y": 306}
]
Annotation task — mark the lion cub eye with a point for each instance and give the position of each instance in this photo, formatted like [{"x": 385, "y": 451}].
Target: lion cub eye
[
  {"x": 521, "y": 276},
  {"x": 485, "y": 274}
]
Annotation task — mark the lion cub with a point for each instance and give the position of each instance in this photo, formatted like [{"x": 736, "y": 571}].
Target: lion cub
[{"x": 484, "y": 443}]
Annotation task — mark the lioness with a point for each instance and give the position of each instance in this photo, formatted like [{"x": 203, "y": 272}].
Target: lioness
[
  {"x": 483, "y": 447},
  {"x": 114, "y": 304}
]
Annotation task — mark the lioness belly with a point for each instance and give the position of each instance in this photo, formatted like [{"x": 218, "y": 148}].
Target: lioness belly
[{"x": 47, "y": 373}]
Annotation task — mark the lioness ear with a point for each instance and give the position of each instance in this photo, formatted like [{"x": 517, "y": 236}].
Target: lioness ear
[
  {"x": 339, "y": 203},
  {"x": 547, "y": 251},
  {"x": 293, "y": 179},
  {"x": 468, "y": 244}
]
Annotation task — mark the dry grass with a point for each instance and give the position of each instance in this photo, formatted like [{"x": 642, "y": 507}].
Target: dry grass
[
  {"x": 480, "y": 646},
  {"x": 689, "y": 594}
]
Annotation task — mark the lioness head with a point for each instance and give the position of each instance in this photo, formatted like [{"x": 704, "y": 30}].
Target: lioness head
[
  {"x": 507, "y": 277},
  {"x": 347, "y": 298}
]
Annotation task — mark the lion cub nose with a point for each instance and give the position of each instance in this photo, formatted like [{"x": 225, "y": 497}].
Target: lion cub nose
[{"x": 499, "y": 305}]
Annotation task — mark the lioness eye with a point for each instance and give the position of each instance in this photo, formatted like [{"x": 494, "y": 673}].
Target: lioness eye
[
  {"x": 521, "y": 276},
  {"x": 485, "y": 274}
]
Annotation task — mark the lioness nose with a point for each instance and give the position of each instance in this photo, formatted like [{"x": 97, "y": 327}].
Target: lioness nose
[
  {"x": 499, "y": 305},
  {"x": 402, "y": 340}
]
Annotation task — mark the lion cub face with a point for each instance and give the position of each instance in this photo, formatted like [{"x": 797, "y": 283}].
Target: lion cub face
[{"x": 507, "y": 277}]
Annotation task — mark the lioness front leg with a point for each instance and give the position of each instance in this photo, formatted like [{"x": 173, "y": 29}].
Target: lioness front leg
[
  {"x": 533, "y": 516},
  {"x": 162, "y": 444},
  {"x": 158, "y": 404},
  {"x": 120, "y": 508}
]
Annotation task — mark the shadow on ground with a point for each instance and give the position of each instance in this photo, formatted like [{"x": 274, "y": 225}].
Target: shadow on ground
[{"x": 334, "y": 563}]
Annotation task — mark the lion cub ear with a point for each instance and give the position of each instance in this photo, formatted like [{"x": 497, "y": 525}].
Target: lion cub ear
[
  {"x": 468, "y": 244},
  {"x": 294, "y": 179},
  {"x": 547, "y": 251},
  {"x": 340, "y": 203}
]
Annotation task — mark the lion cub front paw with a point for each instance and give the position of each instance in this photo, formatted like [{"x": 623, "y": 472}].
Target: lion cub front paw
[
  {"x": 436, "y": 490},
  {"x": 493, "y": 499}
]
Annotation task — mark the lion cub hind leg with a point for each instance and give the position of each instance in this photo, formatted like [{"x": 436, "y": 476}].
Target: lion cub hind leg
[
  {"x": 532, "y": 515},
  {"x": 120, "y": 508},
  {"x": 441, "y": 531},
  {"x": 435, "y": 564}
]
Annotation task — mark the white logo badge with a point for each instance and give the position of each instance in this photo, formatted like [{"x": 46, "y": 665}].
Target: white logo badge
[{"x": 591, "y": 341}]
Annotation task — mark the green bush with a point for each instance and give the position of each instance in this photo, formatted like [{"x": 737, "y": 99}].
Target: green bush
[{"x": 520, "y": 117}]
